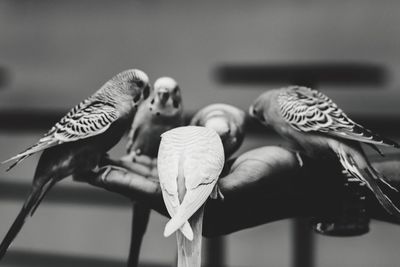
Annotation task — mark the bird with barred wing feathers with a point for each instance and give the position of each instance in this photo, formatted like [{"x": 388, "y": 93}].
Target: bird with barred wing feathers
[
  {"x": 80, "y": 139},
  {"x": 319, "y": 128}
]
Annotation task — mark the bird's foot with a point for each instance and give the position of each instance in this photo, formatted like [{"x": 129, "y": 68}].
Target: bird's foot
[
  {"x": 299, "y": 159},
  {"x": 216, "y": 193},
  {"x": 128, "y": 158},
  {"x": 103, "y": 172}
]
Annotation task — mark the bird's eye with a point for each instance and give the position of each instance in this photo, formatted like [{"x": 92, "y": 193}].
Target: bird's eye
[
  {"x": 136, "y": 98},
  {"x": 146, "y": 92},
  {"x": 175, "y": 103},
  {"x": 140, "y": 83}
]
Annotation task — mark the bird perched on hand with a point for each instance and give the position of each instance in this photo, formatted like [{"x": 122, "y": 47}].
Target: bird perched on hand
[
  {"x": 159, "y": 113},
  {"x": 228, "y": 121},
  {"x": 190, "y": 160},
  {"x": 319, "y": 128},
  {"x": 79, "y": 140}
]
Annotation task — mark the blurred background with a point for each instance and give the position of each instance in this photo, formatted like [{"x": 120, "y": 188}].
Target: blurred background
[{"x": 53, "y": 54}]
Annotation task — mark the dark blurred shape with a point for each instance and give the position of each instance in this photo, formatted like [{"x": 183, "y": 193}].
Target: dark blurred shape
[
  {"x": 5, "y": 77},
  {"x": 215, "y": 252},
  {"x": 84, "y": 195},
  {"x": 29, "y": 120},
  {"x": 303, "y": 244},
  {"x": 353, "y": 219},
  {"x": 347, "y": 73},
  {"x": 43, "y": 259}
]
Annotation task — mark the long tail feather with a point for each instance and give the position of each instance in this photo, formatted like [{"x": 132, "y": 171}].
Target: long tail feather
[
  {"x": 43, "y": 143},
  {"x": 374, "y": 147},
  {"x": 367, "y": 136},
  {"x": 193, "y": 201},
  {"x": 18, "y": 161},
  {"x": 384, "y": 200},
  {"x": 189, "y": 252},
  {"x": 46, "y": 187},
  {"x": 35, "y": 196},
  {"x": 356, "y": 163},
  {"x": 140, "y": 219}
]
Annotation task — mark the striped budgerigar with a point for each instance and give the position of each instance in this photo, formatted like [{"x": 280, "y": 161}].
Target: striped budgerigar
[
  {"x": 316, "y": 126},
  {"x": 76, "y": 143}
]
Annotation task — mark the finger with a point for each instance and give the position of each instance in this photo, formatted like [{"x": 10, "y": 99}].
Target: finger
[
  {"x": 145, "y": 160},
  {"x": 257, "y": 168},
  {"x": 136, "y": 183},
  {"x": 129, "y": 184},
  {"x": 154, "y": 174},
  {"x": 135, "y": 167},
  {"x": 154, "y": 163},
  {"x": 138, "y": 168},
  {"x": 133, "y": 186}
]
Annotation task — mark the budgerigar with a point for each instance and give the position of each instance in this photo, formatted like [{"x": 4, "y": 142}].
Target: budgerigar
[
  {"x": 319, "y": 128},
  {"x": 79, "y": 140},
  {"x": 160, "y": 112},
  {"x": 190, "y": 160},
  {"x": 228, "y": 121}
]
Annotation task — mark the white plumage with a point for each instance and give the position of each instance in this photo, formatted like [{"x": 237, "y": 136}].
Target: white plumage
[{"x": 190, "y": 160}]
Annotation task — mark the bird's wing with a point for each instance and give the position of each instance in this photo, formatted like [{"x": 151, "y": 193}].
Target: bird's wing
[
  {"x": 87, "y": 119},
  {"x": 168, "y": 164},
  {"x": 168, "y": 169},
  {"x": 202, "y": 166},
  {"x": 309, "y": 110}
]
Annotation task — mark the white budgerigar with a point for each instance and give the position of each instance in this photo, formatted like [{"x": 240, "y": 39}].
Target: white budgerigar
[
  {"x": 319, "y": 128},
  {"x": 190, "y": 160}
]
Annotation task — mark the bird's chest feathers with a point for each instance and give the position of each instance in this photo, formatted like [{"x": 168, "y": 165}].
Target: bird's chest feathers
[
  {"x": 148, "y": 137},
  {"x": 312, "y": 144}
]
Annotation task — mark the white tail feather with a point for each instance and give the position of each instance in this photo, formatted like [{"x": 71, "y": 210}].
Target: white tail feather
[
  {"x": 189, "y": 252},
  {"x": 356, "y": 163},
  {"x": 186, "y": 230}
]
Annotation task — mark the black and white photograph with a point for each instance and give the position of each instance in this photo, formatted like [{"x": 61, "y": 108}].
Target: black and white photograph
[{"x": 199, "y": 133}]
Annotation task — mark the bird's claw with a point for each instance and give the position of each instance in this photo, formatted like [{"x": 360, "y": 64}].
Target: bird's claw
[
  {"x": 299, "y": 159},
  {"x": 104, "y": 171},
  {"x": 129, "y": 157},
  {"x": 216, "y": 193},
  {"x": 105, "y": 160}
]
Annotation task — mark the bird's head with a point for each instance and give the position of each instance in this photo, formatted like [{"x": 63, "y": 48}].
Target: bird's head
[
  {"x": 167, "y": 96},
  {"x": 133, "y": 86},
  {"x": 219, "y": 124},
  {"x": 228, "y": 121},
  {"x": 259, "y": 108}
]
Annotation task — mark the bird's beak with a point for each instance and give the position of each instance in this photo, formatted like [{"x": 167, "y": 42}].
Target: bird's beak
[
  {"x": 163, "y": 94},
  {"x": 256, "y": 114}
]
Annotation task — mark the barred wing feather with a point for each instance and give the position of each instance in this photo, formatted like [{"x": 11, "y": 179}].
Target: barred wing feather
[
  {"x": 309, "y": 110},
  {"x": 85, "y": 120}
]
